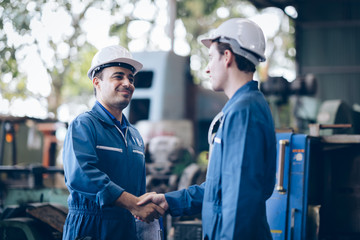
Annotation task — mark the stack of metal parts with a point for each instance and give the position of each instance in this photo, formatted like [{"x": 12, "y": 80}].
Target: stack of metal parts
[{"x": 37, "y": 221}]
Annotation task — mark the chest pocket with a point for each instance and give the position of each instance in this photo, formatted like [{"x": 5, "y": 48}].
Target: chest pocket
[
  {"x": 107, "y": 148},
  {"x": 139, "y": 152},
  {"x": 136, "y": 147},
  {"x": 214, "y": 167}
]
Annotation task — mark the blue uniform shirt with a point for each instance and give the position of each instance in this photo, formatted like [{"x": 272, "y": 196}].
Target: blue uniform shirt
[
  {"x": 100, "y": 162},
  {"x": 240, "y": 175}
]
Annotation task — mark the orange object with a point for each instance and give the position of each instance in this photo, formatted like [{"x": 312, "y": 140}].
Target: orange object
[{"x": 9, "y": 137}]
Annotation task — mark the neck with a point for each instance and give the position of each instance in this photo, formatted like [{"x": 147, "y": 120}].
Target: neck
[
  {"x": 236, "y": 80},
  {"x": 116, "y": 112}
]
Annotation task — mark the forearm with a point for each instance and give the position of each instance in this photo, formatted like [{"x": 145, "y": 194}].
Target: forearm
[
  {"x": 127, "y": 200},
  {"x": 186, "y": 201}
]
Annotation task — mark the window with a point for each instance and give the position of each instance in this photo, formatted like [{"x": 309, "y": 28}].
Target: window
[
  {"x": 144, "y": 79},
  {"x": 139, "y": 110}
]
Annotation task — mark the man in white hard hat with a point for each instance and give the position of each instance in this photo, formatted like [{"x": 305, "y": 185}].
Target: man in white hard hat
[
  {"x": 104, "y": 156},
  {"x": 241, "y": 171}
]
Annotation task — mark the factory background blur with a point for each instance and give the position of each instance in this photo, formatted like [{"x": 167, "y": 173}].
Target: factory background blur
[{"x": 311, "y": 81}]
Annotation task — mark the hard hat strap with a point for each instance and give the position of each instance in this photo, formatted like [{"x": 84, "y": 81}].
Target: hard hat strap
[{"x": 112, "y": 64}]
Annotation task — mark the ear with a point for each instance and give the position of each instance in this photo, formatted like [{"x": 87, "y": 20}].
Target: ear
[
  {"x": 229, "y": 57},
  {"x": 96, "y": 81}
]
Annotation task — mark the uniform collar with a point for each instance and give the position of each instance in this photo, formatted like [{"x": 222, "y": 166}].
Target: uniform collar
[
  {"x": 247, "y": 87},
  {"x": 106, "y": 116},
  {"x": 121, "y": 125}
]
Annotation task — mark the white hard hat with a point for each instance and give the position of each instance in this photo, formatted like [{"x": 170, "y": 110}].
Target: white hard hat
[
  {"x": 244, "y": 36},
  {"x": 113, "y": 56}
]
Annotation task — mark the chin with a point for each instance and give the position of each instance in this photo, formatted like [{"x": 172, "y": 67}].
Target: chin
[
  {"x": 121, "y": 104},
  {"x": 216, "y": 88},
  {"x": 124, "y": 104}
]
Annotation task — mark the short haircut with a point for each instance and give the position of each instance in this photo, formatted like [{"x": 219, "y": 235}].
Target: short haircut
[
  {"x": 242, "y": 63},
  {"x": 98, "y": 74}
]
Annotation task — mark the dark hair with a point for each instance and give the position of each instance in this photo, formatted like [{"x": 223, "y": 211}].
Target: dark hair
[
  {"x": 98, "y": 74},
  {"x": 242, "y": 63}
]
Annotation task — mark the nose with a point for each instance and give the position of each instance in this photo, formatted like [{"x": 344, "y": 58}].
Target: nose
[
  {"x": 207, "y": 70},
  {"x": 126, "y": 82}
]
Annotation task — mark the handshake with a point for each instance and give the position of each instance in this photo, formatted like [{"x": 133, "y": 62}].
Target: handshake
[{"x": 150, "y": 206}]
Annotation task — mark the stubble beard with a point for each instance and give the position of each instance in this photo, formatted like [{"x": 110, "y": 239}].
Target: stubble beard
[{"x": 118, "y": 101}]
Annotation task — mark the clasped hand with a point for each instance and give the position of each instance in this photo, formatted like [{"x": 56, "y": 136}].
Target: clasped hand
[{"x": 151, "y": 206}]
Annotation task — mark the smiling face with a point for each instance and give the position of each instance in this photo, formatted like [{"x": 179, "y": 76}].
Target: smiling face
[
  {"x": 115, "y": 88},
  {"x": 216, "y": 68}
]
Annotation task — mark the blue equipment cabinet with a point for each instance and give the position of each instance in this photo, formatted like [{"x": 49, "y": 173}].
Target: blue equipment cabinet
[{"x": 317, "y": 195}]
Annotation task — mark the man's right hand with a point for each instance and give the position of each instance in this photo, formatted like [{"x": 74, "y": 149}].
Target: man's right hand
[
  {"x": 158, "y": 199},
  {"x": 146, "y": 212}
]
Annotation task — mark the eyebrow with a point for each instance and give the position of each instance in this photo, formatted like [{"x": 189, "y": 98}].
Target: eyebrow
[{"x": 121, "y": 73}]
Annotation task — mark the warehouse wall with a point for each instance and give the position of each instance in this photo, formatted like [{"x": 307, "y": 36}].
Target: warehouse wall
[{"x": 328, "y": 45}]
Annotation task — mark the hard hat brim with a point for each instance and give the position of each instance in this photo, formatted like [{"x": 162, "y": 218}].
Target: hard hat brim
[
  {"x": 137, "y": 65},
  {"x": 207, "y": 42}
]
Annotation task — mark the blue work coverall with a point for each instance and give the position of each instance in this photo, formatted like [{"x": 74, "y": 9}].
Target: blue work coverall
[
  {"x": 100, "y": 162},
  {"x": 240, "y": 175}
]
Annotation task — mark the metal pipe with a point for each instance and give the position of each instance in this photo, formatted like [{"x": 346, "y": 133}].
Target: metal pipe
[
  {"x": 280, "y": 184},
  {"x": 2, "y": 142},
  {"x": 14, "y": 152}
]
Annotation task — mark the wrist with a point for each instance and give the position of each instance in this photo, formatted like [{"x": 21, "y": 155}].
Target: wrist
[
  {"x": 127, "y": 201},
  {"x": 166, "y": 205}
]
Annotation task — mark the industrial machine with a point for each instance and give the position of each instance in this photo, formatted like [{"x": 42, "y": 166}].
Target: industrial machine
[
  {"x": 32, "y": 203},
  {"x": 317, "y": 191}
]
